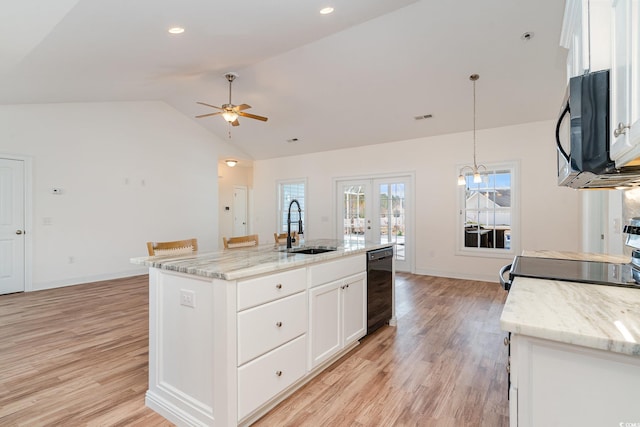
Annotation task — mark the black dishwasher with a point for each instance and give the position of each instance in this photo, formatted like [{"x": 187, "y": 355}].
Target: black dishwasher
[{"x": 379, "y": 288}]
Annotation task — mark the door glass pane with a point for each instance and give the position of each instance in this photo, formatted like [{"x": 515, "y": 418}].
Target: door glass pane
[
  {"x": 354, "y": 213},
  {"x": 392, "y": 216}
]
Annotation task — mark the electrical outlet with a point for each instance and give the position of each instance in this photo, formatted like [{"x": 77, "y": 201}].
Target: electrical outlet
[{"x": 187, "y": 298}]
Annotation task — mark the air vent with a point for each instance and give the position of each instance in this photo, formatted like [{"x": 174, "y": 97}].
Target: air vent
[{"x": 426, "y": 116}]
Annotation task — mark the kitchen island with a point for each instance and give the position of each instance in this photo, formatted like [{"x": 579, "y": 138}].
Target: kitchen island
[
  {"x": 232, "y": 333},
  {"x": 574, "y": 352}
]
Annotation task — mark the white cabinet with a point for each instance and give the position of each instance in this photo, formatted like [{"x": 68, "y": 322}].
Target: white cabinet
[
  {"x": 556, "y": 384},
  {"x": 586, "y": 34},
  {"x": 268, "y": 375},
  {"x": 271, "y": 336},
  {"x": 625, "y": 83},
  {"x": 337, "y": 316}
]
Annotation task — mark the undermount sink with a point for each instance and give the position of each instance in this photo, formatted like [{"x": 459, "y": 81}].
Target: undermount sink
[{"x": 309, "y": 250}]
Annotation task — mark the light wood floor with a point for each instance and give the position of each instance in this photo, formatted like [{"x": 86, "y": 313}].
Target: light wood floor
[{"x": 78, "y": 356}]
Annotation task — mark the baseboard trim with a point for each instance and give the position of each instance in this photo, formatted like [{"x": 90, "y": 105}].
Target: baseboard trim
[
  {"x": 453, "y": 275},
  {"x": 87, "y": 279}
]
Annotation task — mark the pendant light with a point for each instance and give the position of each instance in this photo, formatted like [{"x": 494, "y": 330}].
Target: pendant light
[{"x": 475, "y": 169}]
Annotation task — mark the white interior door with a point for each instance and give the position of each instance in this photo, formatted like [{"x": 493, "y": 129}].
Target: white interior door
[
  {"x": 240, "y": 211},
  {"x": 12, "y": 226}
]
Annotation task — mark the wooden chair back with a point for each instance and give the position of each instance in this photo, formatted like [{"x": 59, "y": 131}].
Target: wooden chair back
[
  {"x": 281, "y": 239},
  {"x": 177, "y": 247},
  {"x": 240, "y": 241}
]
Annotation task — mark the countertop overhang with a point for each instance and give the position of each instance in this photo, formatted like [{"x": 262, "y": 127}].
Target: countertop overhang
[
  {"x": 589, "y": 315},
  {"x": 239, "y": 263}
]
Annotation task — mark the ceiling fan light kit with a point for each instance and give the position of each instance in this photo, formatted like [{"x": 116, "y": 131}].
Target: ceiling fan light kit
[{"x": 229, "y": 111}]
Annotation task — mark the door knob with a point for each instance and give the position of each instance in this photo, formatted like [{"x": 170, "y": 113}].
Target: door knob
[{"x": 18, "y": 231}]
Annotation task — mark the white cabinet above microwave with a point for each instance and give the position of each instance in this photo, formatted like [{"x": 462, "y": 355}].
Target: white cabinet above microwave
[
  {"x": 625, "y": 83},
  {"x": 586, "y": 30}
]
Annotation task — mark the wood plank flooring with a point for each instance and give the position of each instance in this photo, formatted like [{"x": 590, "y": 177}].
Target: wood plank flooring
[{"x": 78, "y": 355}]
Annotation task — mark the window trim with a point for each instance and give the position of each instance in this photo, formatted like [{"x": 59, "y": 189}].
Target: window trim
[
  {"x": 460, "y": 249},
  {"x": 279, "y": 204}
]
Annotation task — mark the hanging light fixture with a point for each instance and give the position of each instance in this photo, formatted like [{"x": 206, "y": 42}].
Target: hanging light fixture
[{"x": 476, "y": 167}]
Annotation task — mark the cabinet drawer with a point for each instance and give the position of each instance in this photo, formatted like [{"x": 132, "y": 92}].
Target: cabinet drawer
[
  {"x": 337, "y": 269},
  {"x": 269, "y": 288},
  {"x": 268, "y": 375},
  {"x": 263, "y": 328}
]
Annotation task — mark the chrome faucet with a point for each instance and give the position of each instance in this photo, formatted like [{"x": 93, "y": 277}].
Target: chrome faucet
[{"x": 289, "y": 240}]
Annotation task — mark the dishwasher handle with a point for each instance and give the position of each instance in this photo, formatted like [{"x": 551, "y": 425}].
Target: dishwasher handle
[{"x": 380, "y": 254}]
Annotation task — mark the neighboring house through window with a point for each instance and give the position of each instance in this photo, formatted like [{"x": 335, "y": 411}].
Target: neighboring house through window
[
  {"x": 289, "y": 190},
  {"x": 488, "y": 212}
]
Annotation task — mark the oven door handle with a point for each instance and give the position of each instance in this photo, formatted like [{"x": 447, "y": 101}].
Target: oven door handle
[{"x": 506, "y": 284}]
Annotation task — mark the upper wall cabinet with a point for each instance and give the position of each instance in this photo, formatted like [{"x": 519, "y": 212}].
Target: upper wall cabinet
[
  {"x": 586, "y": 30},
  {"x": 625, "y": 83}
]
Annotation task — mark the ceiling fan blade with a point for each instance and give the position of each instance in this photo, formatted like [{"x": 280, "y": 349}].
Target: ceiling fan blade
[
  {"x": 208, "y": 115},
  {"x": 209, "y": 105},
  {"x": 252, "y": 116},
  {"x": 235, "y": 123},
  {"x": 242, "y": 107}
]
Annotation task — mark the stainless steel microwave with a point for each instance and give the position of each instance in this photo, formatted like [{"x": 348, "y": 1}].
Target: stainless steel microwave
[{"x": 586, "y": 164}]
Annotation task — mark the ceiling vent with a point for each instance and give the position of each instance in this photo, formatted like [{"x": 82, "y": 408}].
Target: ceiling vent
[{"x": 426, "y": 116}]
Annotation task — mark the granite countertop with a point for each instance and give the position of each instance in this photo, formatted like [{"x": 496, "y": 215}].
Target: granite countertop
[
  {"x": 234, "y": 264},
  {"x": 595, "y": 316}
]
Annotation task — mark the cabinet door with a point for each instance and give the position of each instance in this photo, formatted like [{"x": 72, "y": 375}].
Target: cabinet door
[
  {"x": 324, "y": 322},
  {"x": 354, "y": 295},
  {"x": 625, "y": 81}
]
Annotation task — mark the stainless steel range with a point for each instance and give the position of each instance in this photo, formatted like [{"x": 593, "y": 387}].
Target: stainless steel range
[{"x": 590, "y": 272}]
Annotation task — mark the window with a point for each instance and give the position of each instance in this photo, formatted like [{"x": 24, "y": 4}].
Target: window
[
  {"x": 487, "y": 213},
  {"x": 288, "y": 191}
]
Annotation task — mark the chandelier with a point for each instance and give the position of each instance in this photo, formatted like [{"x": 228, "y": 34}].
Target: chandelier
[{"x": 475, "y": 169}]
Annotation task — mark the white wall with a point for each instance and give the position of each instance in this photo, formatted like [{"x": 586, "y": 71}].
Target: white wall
[
  {"x": 131, "y": 172},
  {"x": 549, "y": 214}
]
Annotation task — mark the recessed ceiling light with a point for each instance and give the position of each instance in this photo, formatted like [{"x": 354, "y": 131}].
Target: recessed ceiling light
[
  {"x": 176, "y": 30},
  {"x": 326, "y": 10}
]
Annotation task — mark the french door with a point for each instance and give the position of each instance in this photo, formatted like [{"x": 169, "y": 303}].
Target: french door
[{"x": 377, "y": 210}]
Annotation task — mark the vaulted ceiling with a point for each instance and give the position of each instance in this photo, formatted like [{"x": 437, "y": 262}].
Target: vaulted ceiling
[{"x": 354, "y": 77}]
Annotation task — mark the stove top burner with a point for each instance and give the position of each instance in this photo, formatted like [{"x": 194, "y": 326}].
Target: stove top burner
[{"x": 590, "y": 272}]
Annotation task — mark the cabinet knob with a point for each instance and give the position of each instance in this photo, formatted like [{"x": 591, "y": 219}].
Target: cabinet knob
[
  {"x": 18, "y": 231},
  {"x": 279, "y": 286},
  {"x": 621, "y": 130},
  {"x": 506, "y": 341},
  {"x": 508, "y": 368},
  {"x": 279, "y": 324},
  {"x": 279, "y": 373}
]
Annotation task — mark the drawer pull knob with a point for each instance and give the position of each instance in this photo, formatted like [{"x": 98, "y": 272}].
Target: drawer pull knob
[
  {"x": 279, "y": 373},
  {"x": 279, "y": 324},
  {"x": 506, "y": 341},
  {"x": 279, "y": 286}
]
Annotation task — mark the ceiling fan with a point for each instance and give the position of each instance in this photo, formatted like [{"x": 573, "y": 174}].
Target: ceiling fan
[{"x": 229, "y": 111}]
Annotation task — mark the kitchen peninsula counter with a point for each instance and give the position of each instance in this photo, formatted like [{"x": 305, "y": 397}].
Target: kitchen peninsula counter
[
  {"x": 574, "y": 350},
  {"x": 239, "y": 263}
]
